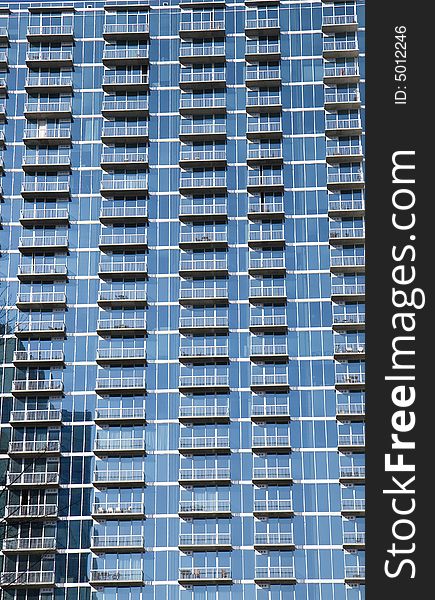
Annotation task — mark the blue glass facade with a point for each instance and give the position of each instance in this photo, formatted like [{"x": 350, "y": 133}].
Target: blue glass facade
[{"x": 182, "y": 300}]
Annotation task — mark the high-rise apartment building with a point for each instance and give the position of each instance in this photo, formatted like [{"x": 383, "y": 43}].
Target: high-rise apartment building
[{"x": 182, "y": 300}]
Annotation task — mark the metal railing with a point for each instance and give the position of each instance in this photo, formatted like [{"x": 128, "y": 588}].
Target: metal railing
[
  {"x": 42, "y": 298},
  {"x": 261, "y": 48},
  {"x": 204, "y": 506},
  {"x": 265, "y": 180},
  {"x": 125, "y": 53},
  {"x": 204, "y": 573},
  {"x": 350, "y": 378},
  {"x": 351, "y": 408},
  {"x": 204, "y": 539},
  {"x": 264, "y": 127},
  {"x": 124, "y": 212},
  {"x": 123, "y": 267},
  {"x": 118, "y": 476},
  {"x": 39, "y": 478},
  {"x": 341, "y": 97},
  {"x": 339, "y": 19},
  {"x": 202, "y": 25},
  {"x": 203, "y": 265},
  {"x": 348, "y": 289},
  {"x": 203, "y": 380},
  {"x": 274, "y": 573},
  {"x": 38, "y": 355},
  {"x": 30, "y": 242},
  {"x": 339, "y": 45},
  {"x": 117, "y": 541},
  {"x": 125, "y": 105},
  {"x": 269, "y": 291},
  {"x": 345, "y": 205},
  {"x": 121, "y": 353},
  {"x": 202, "y": 128},
  {"x": 116, "y": 295},
  {"x": 261, "y": 23},
  {"x": 264, "y": 153},
  {"x": 266, "y": 235},
  {"x": 214, "y": 102},
  {"x": 121, "y": 132},
  {"x": 121, "y": 323},
  {"x": 202, "y": 182},
  {"x": 200, "y": 50},
  {"x": 41, "y": 270},
  {"x": 191, "y": 154},
  {"x": 354, "y": 572},
  {"x": 203, "y": 293},
  {"x": 262, "y": 74},
  {"x": 47, "y": 159},
  {"x": 353, "y": 472},
  {"x": 49, "y": 55},
  {"x": 122, "y": 28},
  {"x": 126, "y": 79},
  {"x": 123, "y": 239},
  {"x": 135, "y": 157},
  {"x": 211, "y": 474},
  {"x": 123, "y": 383},
  {"x": 212, "y": 208},
  {"x": 27, "y": 578},
  {"x": 203, "y": 351},
  {"x": 343, "y": 124},
  {"x": 350, "y": 318},
  {"x": 347, "y": 261},
  {"x": 271, "y": 441},
  {"x": 354, "y": 348},
  {"x": 118, "y": 508},
  {"x": 351, "y": 439},
  {"x": 344, "y": 151},
  {"x": 40, "y": 326},
  {"x": 266, "y": 100},
  {"x": 268, "y": 320},
  {"x": 345, "y": 178},
  {"x": 204, "y": 410},
  {"x": 270, "y": 410},
  {"x": 119, "y": 444},
  {"x": 268, "y": 349},
  {"x": 34, "y": 446},
  {"x": 28, "y": 511},
  {"x": 197, "y": 76},
  {"x": 45, "y": 187},
  {"x": 202, "y": 322},
  {"x": 124, "y": 184},
  {"x": 265, "y": 207},
  {"x": 47, "y": 107},
  {"x": 37, "y": 385},
  {"x": 119, "y": 413},
  {"x": 116, "y": 575},
  {"x": 47, "y": 82},
  {"x": 273, "y": 539},
  {"x": 353, "y": 504},
  {"x": 45, "y": 30},
  {"x": 271, "y": 473},
  {"x": 273, "y": 505},
  {"x": 48, "y": 415},
  {"x": 204, "y": 442},
  {"x": 29, "y": 544}
]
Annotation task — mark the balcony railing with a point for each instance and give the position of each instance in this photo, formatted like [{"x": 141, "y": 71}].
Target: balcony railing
[
  {"x": 269, "y": 208},
  {"x": 262, "y": 74},
  {"x": 273, "y": 539},
  {"x": 121, "y": 324},
  {"x": 353, "y": 504},
  {"x": 120, "y": 185},
  {"x": 268, "y": 349},
  {"x": 126, "y": 476},
  {"x": 211, "y": 474},
  {"x": 267, "y": 291},
  {"x": 204, "y": 293},
  {"x": 265, "y": 180},
  {"x": 125, "y": 80},
  {"x": 47, "y": 160},
  {"x": 33, "y": 544},
  {"x": 204, "y": 506},
  {"x": 119, "y": 445},
  {"x": 343, "y": 124},
  {"x": 203, "y": 351},
  {"x": 354, "y": 572},
  {"x": 203, "y": 210},
  {"x": 347, "y": 261},
  {"x": 350, "y": 378},
  {"x": 48, "y": 82},
  {"x": 125, "y": 132},
  {"x": 203, "y": 381},
  {"x": 50, "y": 30},
  {"x": 261, "y": 48},
  {"x": 196, "y": 50},
  {"x": 127, "y": 158},
  {"x": 270, "y": 410},
  {"x": 124, "y": 212},
  {"x": 337, "y": 97},
  {"x": 262, "y": 127},
  {"x": 202, "y": 26},
  {"x": 31, "y": 511},
  {"x": 103, "y": 577},
  {"x": 212, "y": 322},
  {"x": 123, "y": 239},
  {"x": 264, "y": 153},
  {"x": 354, "y": 472},
  {"x": 346, "y": 205},
  {"x": 27, "y": 578},
  {"x": 208, "y": 540},
  {"x": 123, "y": 267},
  {"x": 272, "y": 473},
  {"x": 203, "y": 182},
  {"x": 350, "y": 348},
  {"x": 351, "y": 439},
  {"x": 121, "y": 413},
  {"x": 271, "y": 441},
  {"x": 345, "y": 289},
  {"x": 45, "y": 108},
  {"x": 45, "y": 187},
  {"x": 204, "y": 574},
  {"x": 345, "y": 178},
  {"x": 136, "y": 106},
  {"x": 34, "y": 447},
  {"x": 351, "y": 408},
  {"x": 349, "y": 319},
  {"x": 57, "y": 56},
  {"x": 39, "y": 356},
  {"x": 266, "y": 235},
  {"x": 216, "y": 102},
  {"x": 204, "y": 265},
  {"x": 205, "y": 155},
  {"x": 42, "y": 327},
  {"x": 43, "y": 241},
  {"x": 202, "y": 128},
  {"x": 332, "y": 46},
  {"x": 266, "y": 100},
  {"x": 204, "y": 442},
  {"x": 125, "y": 28},
  {"x": 343, "y": 151},
  {"x": 274, "y": 573},
  {"x": 198, "y": 76},
  {"x": 273, "y": 506},
  {"x": 41, "y": 298},
  {"x": 117, "y": 541},
  {"x": 125, "y": 55},
  {"x": 329, "y": 20},
  {"x": 123, "y": 296},
  {"x": 37, "y": 385},
  {"x": 36, "y": 416},
  {"x": 118, "y": 509},
  {"x": 271, "y": 23},
  {"x": 261, "y": 321},
  {"x": 126, "y": 354},
  {"x": 40, "y": 479},
  {"x": 120, "y": 383}
]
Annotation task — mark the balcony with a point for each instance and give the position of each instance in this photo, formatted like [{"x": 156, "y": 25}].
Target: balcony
[
  {"x": 45, "y": 189},
  {"x": 260, "y": 51},
  {"x": 203, "y": 268},
  {"x": 274, "y": 575},
  {"x": 263, "y": 129},
  {"x": 258, "y": 209},
  {"x": 207, "y": 211},
  {"x": 122, "y": 5},
  {"x": 204, "y": 477},
  {"x": 128, "y": 83},
  {"x": 36, "y": 417},
  {"x": 264, "y": 156},
  {"x": 122, "y": 298},
  {"x": 133, "y": 241},
  {"x": 350, "y": 411},
  {"x": 202, "y": 131},
  {"x": 204, "y": 509},
  {"x": 41, "y": 300},
  {"x": 126, "y": 31},
  {"x": 339, "y": 23},
  {"x": 262, "y": 26},
  {"x": 268, "y": 323},
  {"x": 203, "y": 542},
  {"x": 273, "y": 508},
  {"x": 33, "y": 545},
  {"x": 271, "y": 443},
  {"x": 208, "y": 324},
  {"x": 111, "y": 161},
  {"x": 119, "y": 446},
  {"x": 191, "y": 185},
  {"x": 204, "y": 239},
  {"x": 352, "y": 475},
  {"x": 39, "y": 59},
  {"x": 258, "y": 183},
  {"x": 273, "y": 541},
  {"x": 353, "y": 507},
  {"x": 351, "y": 442},
  {"x": 35, "y": 387},
  {"x": 347, "y": 264},
  {"x": 264, "y": 293},
  {"x": 339, "y": 154},
  {"x": 124, "y": 108},
  {"x": 343, "y": 127},
  {"x": 31, "y": 511},
  {"x": 39, "y": 480},
  {"x": 204, "y": 354},
  {"x": 2, "y": 111},
  {"x": 350, "y": 380},
  {"x": 29, "y": 358},
  {"x": 121, "y": 356},
  {"x": 349, "y": 351},
  {"x": 202, "y": 29},
  {"x": 116, "y": 385},
  {"x": 354, "y": 575},
  {"x": 348, "y": 321},
  {"x": 118, "y": 510},
  {"x": 345, "y": 181},
  {"x": 204, "y": 445},
  {"x": 210, "y": 296},
  {"x": 56, "y": 243},
  {"x": 125, "y": 56},
  {"x": 42, "y": 272},
  {"x": 262, "y": 77},
  {"x": 56, "y": 85},
  {"x": 116, "y": 415},
  {"x": 27, "y": 579},
  {"x": 49, "y": 137},
  {"x": 203, "y": 383},
  {"x": 43, "y": 33},
  {"x": 338, "y": 206},
  {"x": 350, "y": 292},
  {"x": 116, "y": 478},
  {"x": 57, "y": 110},
  {"x": 207, "y": 106},
  {"x": 4, "y": 34},
  {"x": 113, "y": 135},
  {"x": 333, "y": 48},
  {"x": 46, "y": 163},
  {"x": 261, "y": 351},
  {"x": 266, "y": 237},
  {"x": 123, "y": 214},
  {"x": 34, "y": 448},
  {"x": 268, "y": 412},
  {"x": 123, "y": 270},
  {"x": 194, "y": 79},
  {"x": 337, "y": 99},
  {"x": 272, "y": 476},
  {"x": 204, "y": 575},
  {"x": 201, "y": 53},
  {"x": 257, "y": 103},
  {"x": 189, "y": 157},
  {"x": 121, "y": 326},
  {"x": 116, "y": 577},
  {"x": 40, "y": 329},
  {"x": 117, "y": 543},
  {"x": 124, "y": 187}
]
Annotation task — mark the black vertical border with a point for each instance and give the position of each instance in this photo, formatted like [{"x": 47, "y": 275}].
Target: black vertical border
[{"x": 390, "y": 128}]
